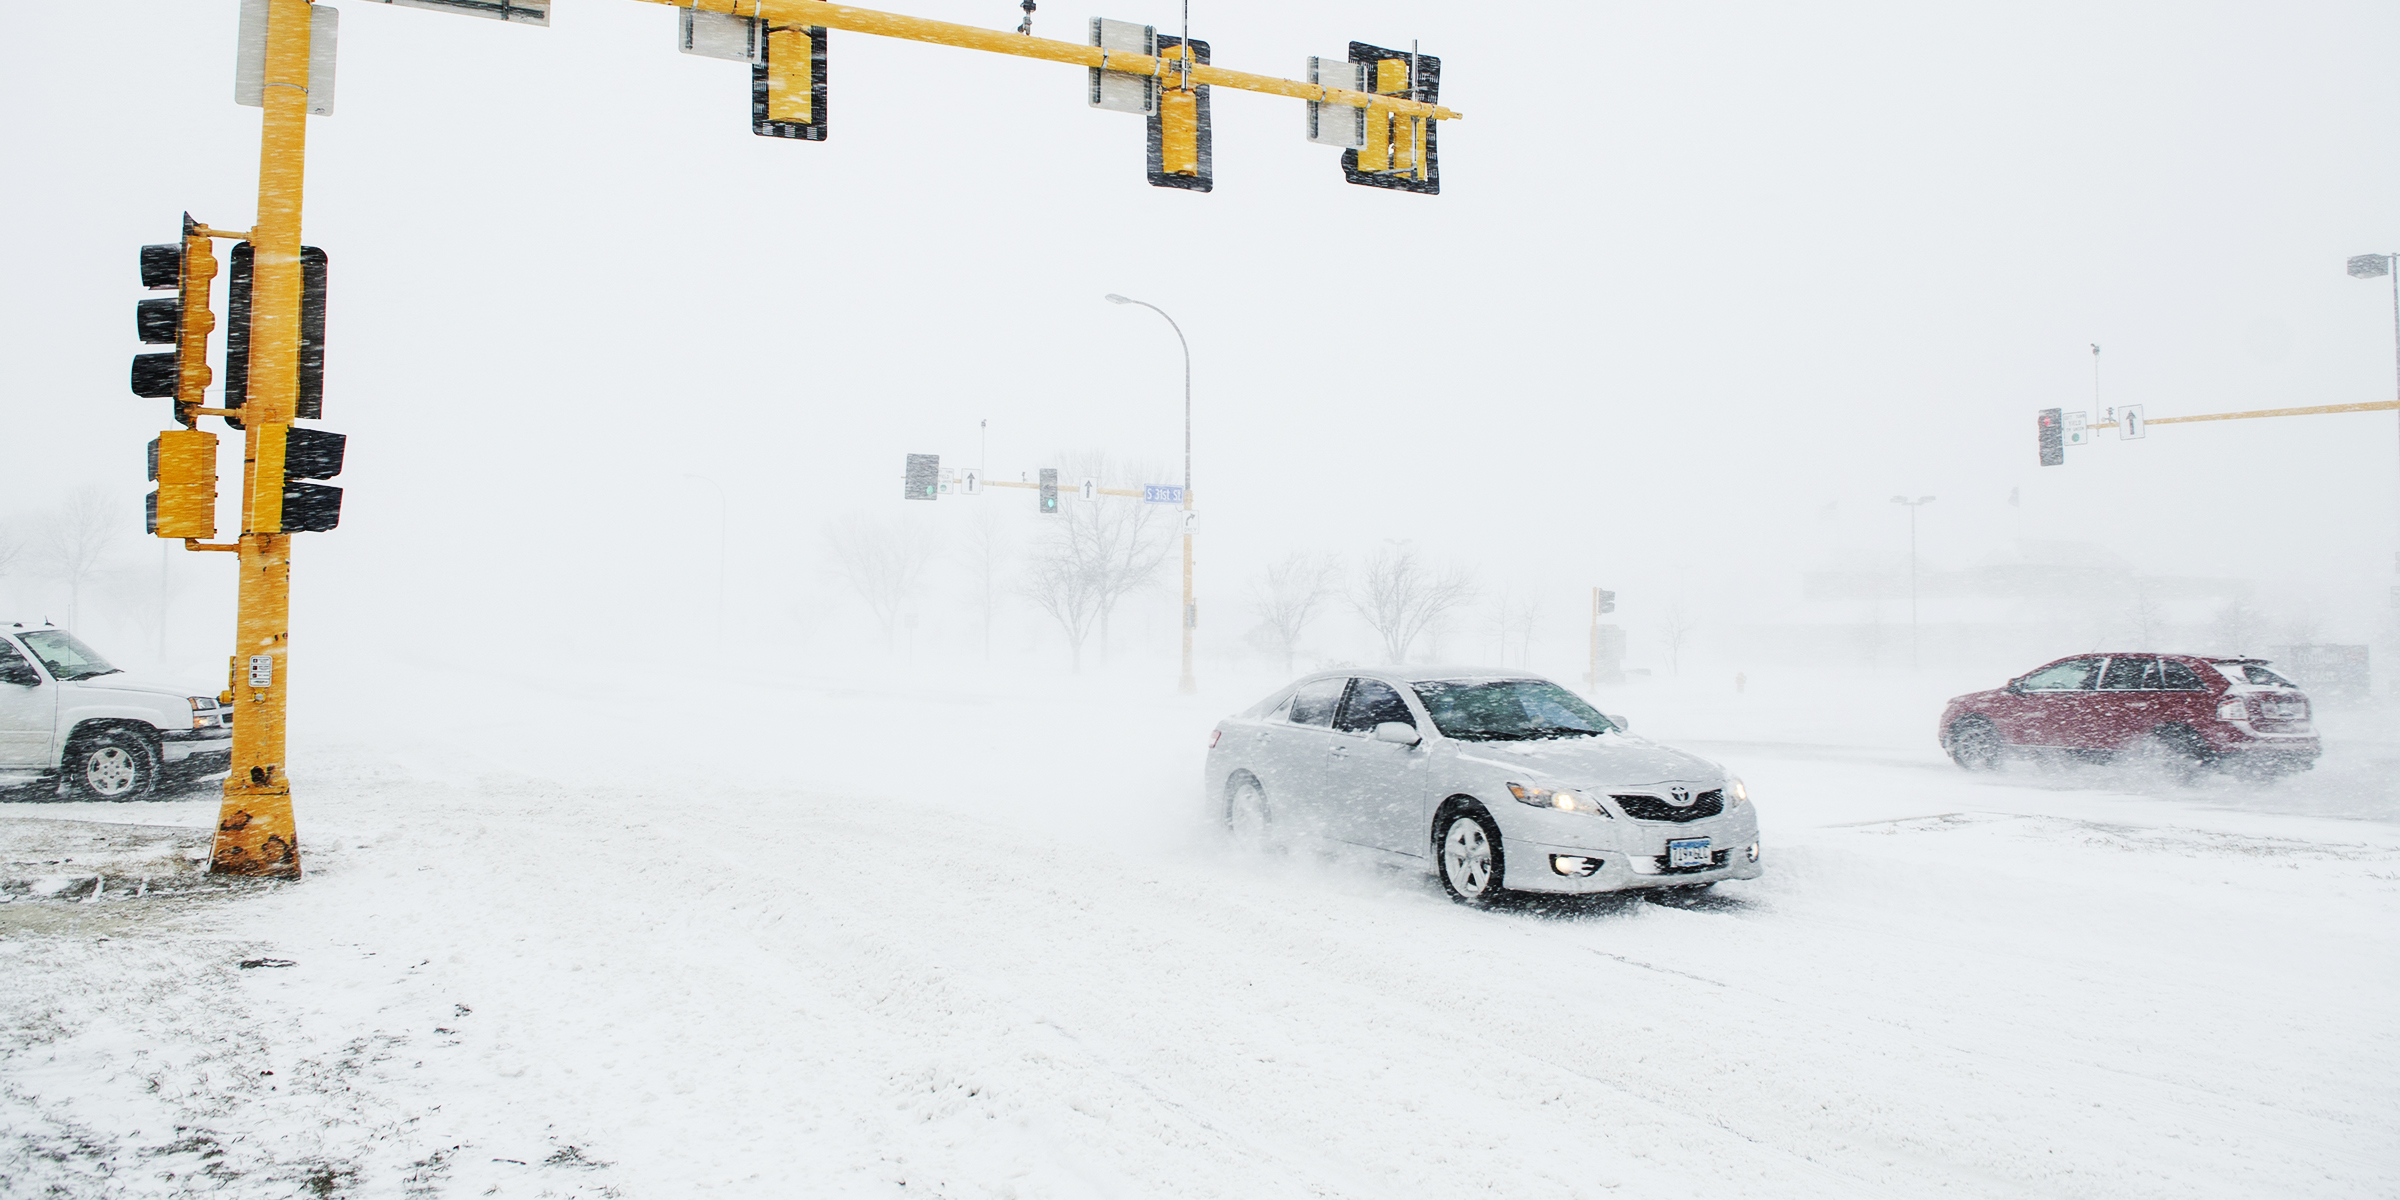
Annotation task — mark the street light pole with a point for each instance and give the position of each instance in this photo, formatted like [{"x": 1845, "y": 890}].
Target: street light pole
[
  {"x": 2368, "y": 266},
  {"x": 1190, "y": 617},
  {"x": 1912, "y": 506}
]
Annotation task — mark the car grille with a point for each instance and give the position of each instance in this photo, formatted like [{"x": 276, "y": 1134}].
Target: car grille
[
  {"x": 1715, "y": 861},
  {"x": 1646, "y": 807}
]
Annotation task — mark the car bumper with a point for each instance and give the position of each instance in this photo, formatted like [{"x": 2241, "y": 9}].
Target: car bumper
[
  {"x": 1631, "y": 854},
  {"x": 197, "y": 751}
]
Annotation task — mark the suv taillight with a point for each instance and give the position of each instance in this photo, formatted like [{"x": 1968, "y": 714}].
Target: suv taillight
[{"x": 2231, "y": 708}]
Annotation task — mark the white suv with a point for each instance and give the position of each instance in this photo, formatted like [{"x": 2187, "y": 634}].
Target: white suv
[{"x": 65, "y": 712}]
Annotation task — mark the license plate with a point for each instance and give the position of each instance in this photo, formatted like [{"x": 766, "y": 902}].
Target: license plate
[
  {"x": 2282, "y": 710},
  {"x": 1688, "y": 852}
]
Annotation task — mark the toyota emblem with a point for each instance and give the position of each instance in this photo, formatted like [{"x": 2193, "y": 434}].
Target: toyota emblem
[{"x": 1680, "y": 797}]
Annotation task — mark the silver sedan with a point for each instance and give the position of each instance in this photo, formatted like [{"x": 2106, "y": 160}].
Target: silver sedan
[{"x": 1497, "y": 781}]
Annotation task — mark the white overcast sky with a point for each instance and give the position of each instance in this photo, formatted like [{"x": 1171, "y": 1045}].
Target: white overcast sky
[{"x": 1707, "y": 283}]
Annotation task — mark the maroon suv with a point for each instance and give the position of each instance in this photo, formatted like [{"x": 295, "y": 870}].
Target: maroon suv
[{"x": 2228, "y": 712}]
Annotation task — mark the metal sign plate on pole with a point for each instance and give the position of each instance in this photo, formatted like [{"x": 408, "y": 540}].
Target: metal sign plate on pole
[
  {"x": 1089, "y": 489},
  {"x": 1162, "y": 493},
  {"x": 2130, "y": 422},
  {"x": 722, "y": 35},
  {"x": 1124, "y": 91},
  {"x": 1191, "y": 522},
  {"x": 1337, "y": 124},
  {"x": 250, "y": 56},
  {"x": 970, "y": 481},
  {"x": 2079, "y": 428}
]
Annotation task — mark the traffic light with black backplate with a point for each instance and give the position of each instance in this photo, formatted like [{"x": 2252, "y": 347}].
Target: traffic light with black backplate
[
  {"x": 309, "y": 454},
  {"x": 1181, "y": 146},
  {"x": 1400, "y": 152},
  {"x": 308, "y": 399},
  {"x": 1049, "y": 491},
  {"x": 2053, "y": 437}
]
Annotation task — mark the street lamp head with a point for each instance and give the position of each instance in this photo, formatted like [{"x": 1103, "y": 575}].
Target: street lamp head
[
  {"x": 1924, "y": 499},
  {"x": 2370, "y": 266},
  {"x": 1114, "y": 298},
  {"x": 1899, "y": 499}
]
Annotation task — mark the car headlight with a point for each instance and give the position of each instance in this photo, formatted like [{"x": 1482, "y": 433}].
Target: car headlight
[
  {"x": 204, "y": 711},
  {"x": 1738, "y": 792},
  {"x": 1564, "y": 799}
]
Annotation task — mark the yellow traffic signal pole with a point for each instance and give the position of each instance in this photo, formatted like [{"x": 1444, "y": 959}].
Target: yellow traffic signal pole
[
  {"x": 255, "y": 831},
  {"x": 2377, "y": 406}
]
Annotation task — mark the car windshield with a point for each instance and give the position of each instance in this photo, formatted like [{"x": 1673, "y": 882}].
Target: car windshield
[
  {"x": 1508, "y": 710},
  {"x": 66, "y": 657}
]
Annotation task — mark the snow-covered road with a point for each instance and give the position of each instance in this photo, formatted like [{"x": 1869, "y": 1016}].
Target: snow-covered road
[{"x": 865, "y": 943}]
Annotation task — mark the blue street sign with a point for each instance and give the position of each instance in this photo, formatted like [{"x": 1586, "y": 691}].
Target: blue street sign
[{"x": 1162, "y": 493}]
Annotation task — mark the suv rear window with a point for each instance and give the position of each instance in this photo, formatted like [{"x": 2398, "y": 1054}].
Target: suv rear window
[{"x": 2242, "y": 672}]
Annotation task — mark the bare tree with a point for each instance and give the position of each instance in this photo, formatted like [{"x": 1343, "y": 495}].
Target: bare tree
[
  {"x": 1400, "y": 597},
  {"x": 73, "y": 540},
  {"x": 1675, "y": 631},
  {"x": 2238, "y": 626},
  {"x": 1292, "y": 594},
  {"x": 2147, "y": 616},
  {"x": 881, "y": 558},
  {"x": 1513, "y": 621},
  {"x": 1098, "y": 551}
]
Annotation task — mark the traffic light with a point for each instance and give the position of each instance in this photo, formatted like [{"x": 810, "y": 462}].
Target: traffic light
[
  {"x": 922, "y": 479},
  {"x": 307, "y": 454},
  {"x": 1050, "y": 491},
  {"x": 1608, "y": 601},
  {"x": 183, "y": 462},
  {"x": 184, "y": 322},
  {"x": 787, "y": 84},
  {"x": 308, "y": 401},
  {"x": 1397, "y": 152},
  {"x": 1181, "y": 146},
  {"x": 2053, "y": 437}
]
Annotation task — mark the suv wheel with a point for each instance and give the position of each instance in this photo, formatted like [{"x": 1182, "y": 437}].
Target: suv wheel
[
  {"x": 2174, "y": 755},
  {"x": 1472, "y": 864},
  {"x": 1974, "y": 744},
  {"x": 111, "y": 765}
]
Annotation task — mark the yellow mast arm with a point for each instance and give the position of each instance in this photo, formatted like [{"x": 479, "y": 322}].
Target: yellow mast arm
[{"x": 944, "y": 33}]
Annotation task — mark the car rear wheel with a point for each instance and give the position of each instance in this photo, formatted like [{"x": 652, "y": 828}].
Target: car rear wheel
[
  {"x": 2170, "y": 754},
  {"x": 111, "y": 766},
  {"x": 1246, "y": 815},
  {"x": 1974, "y": 744},
  {"x": 1473, "y": 866}
]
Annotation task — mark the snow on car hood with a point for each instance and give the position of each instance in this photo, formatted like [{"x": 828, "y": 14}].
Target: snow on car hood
[
  {"x": 1608, "y": 759},
  {"x": 127, "y": 681}
]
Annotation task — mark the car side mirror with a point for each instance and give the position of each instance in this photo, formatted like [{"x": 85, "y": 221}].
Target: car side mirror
[
  {"x": 1399, "y": 732},
  {"x": 2016, "y": 687},
  {"x": 1618, "y": 720}
]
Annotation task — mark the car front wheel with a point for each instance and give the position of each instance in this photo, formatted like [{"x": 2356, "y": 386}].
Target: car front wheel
[
  {"x": 1471, "y": 860},
  {"x": 111, "y": 766},
  {"x": 1974, "y": 745}
]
